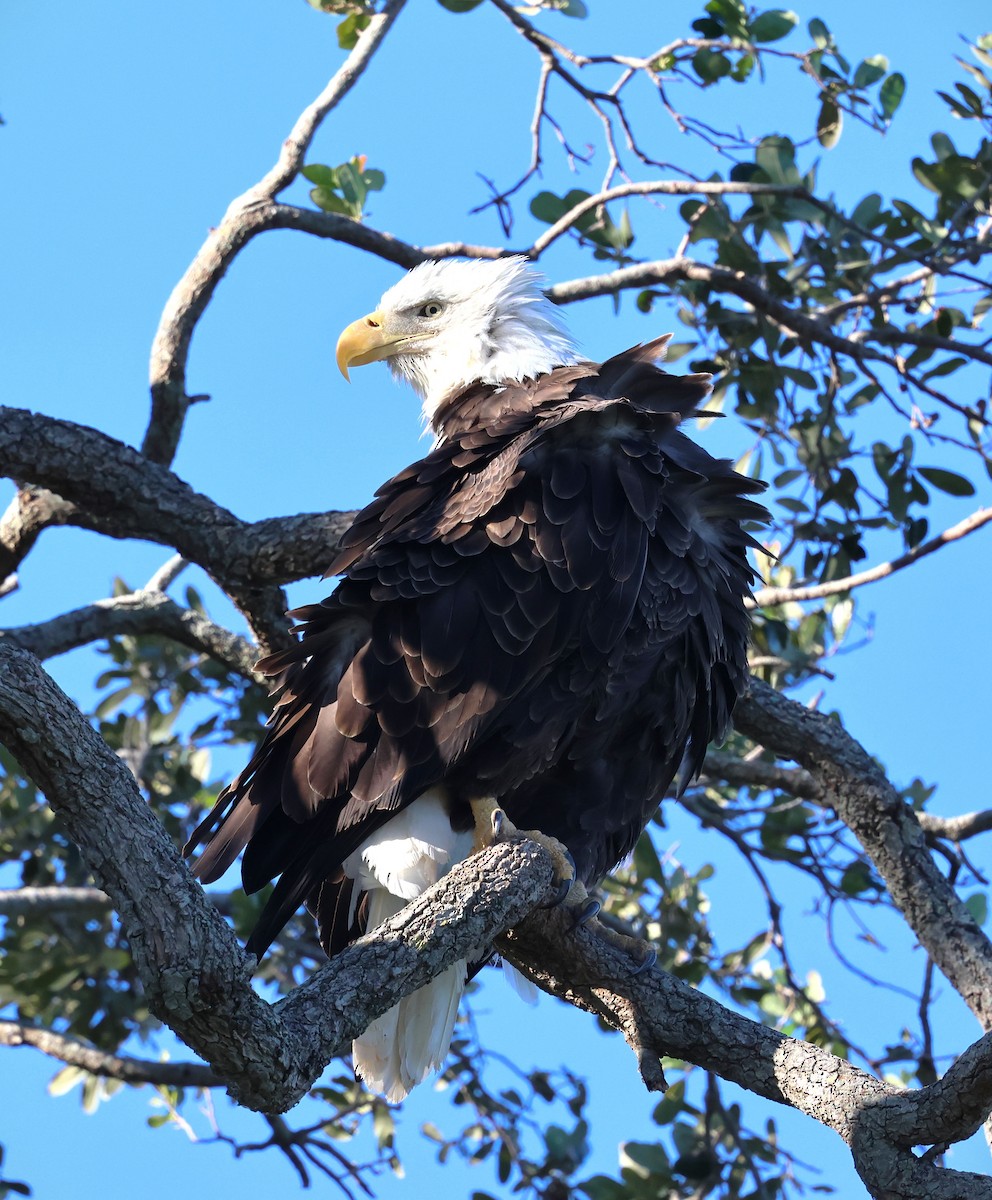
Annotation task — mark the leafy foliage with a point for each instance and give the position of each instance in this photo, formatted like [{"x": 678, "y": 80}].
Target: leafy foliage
[{"x": 344, "y": 189}]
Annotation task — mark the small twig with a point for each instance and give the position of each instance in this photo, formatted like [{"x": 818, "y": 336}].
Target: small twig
[
  {"x": 665, "y": 187},
  {"x": 167, "y": 573},
  {"x": 770, "y": 597}
]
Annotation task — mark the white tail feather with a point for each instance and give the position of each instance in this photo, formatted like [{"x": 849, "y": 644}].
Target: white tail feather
[
  {"x": 526, "y": 990},
  {"x": 410, "y": 1041}
]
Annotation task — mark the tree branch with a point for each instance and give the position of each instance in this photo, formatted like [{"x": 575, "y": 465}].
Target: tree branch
[
  {"x": 189, "y": 298},
  {"x": 31, "y": 901},
  {"x": 806, "y": 329},
  {"x": 855, "y": 786},
  {"x": 32, "y": 510},
  {"x": 196, "y": 978},
  {"x": 120, "y": 493},
  {"x": 28, "y": 901},
  {"x": 76, "y": 1053},
  {"x": 755, "y": 773},
  {"x": 660, "y": 1016},
  {"x": 955, "y": 829},
  {"x": 140, "y": 612},
  {"x": 769, "y": 597},
  {"x": 666, "y": 187}
]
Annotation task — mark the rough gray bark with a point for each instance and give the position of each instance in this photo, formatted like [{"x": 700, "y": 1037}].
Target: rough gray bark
[
  {"x": 121, "y": 494},
  {"x": 854, "y": 784}
]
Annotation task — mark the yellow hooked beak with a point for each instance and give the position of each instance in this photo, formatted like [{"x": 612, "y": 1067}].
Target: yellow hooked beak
[{"x": 366, "y": 341}]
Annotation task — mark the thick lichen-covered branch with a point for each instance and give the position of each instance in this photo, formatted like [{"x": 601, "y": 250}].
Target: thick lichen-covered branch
[
  {"x": 855, "y": 786},
  {"x": 197, "y": 980},
  {"x": 196, "y": 977},
  {"x": 118, "y": 492}
]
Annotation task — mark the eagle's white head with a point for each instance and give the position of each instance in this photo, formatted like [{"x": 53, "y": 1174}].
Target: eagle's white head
[{"x": 448, "y": 324}]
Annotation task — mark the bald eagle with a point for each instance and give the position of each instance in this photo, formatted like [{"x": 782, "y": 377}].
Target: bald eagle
[{"x": 546, "y": 613}]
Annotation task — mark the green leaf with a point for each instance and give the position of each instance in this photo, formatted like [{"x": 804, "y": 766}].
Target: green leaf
[
  {"x": 350, "y": 28},
  {"x": 829, "y": 124},
  {"x": 776, "y": 156},
  {"x": 644, "y": 1158},
  {"x": 971, "y": 99},
  {"x": 772, "y": 25},
  {"x": 820, "y": 34},
  {"x": 857, "y": 878},
  {"x": 743, "y": 68},
  {"x": 711, "y": 65},
  {"x": 548, "y": 207},
  {"x": 459, "y": 6},
  {"x": 670, "y": 1105},
  {"x": 601, "y": 1187},
  {"x": 947, "y": 367},
  {"x": 66, "y": 1080},
  {"x": 943, "y": 147},
  {"x": 868, "y": 211},
  {"x": 321, "y": 175},
  {"x": 871, "y": 71},
  {"x": 732, "y": 16},
  {"x": 978, "y": 905},
  {"x": 330, "y": 201},
  {"x": 890, "y": 94},
  {"x": 947, "y": 481}
]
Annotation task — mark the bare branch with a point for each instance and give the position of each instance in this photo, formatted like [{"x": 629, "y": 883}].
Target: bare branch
[
  {"x": 32, "y": 510},
  {"x": 27, "y": 901},
  {"x": 769, "y": 597},
  {"x": 294, "y": 148},
  {"x": 758, "y": 774},
  {"x": 167, "y": 574},
  {"x": 956, "y": 829},
  {"x": 191, "y": 295},
  {"x": 665, "y": 187},
  {"x": 76, "y": 1053}
]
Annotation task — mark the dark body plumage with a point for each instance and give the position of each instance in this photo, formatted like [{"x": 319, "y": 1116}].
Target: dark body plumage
[{"x": 548, "y": 608}]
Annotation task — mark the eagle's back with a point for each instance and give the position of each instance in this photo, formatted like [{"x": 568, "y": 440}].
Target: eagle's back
[{"x": 547, "y": 608}]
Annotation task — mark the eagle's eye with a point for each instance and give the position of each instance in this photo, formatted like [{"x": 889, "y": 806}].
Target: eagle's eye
[{"x": 431, "y": 309}]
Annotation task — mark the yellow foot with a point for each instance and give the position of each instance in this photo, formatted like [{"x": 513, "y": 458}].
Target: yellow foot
[
  {"x": 644, "y": 954},
  {"x": 493, "y": 825}
]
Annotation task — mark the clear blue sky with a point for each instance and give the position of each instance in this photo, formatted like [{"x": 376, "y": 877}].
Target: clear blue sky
[{"x": 129, "y": 129}]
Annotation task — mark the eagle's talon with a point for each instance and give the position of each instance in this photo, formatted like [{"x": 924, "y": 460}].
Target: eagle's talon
[
  {"x": 498, "y": 824},
  {"x": 590, "y": 909},
  {"x": 646, "y": 964},
  {"x": 561, "y": 894}
]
